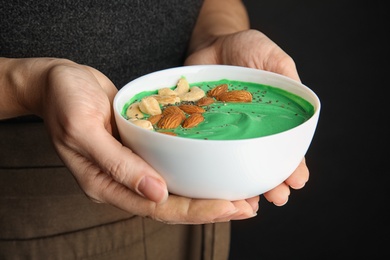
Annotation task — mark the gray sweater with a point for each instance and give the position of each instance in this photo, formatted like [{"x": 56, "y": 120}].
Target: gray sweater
[{"x": 122, "y": 38}]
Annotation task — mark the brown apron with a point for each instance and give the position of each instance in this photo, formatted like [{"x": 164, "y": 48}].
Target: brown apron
[{"x": 45, "y": 215}]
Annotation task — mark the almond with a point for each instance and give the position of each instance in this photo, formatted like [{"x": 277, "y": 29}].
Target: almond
[
  {"x": 218, "y": 90},
  {"x": 170, "y": 121},
  {"x": 173, "y": 110},
  {"x": 154, "y": 119},
  {"x": 205, "y": 101},
  {"x": 193, "y": 120},
  {"x": 190, "y": 109},
  {"x": 236, "y": 96},
  {"x": 167, "y": 133}
]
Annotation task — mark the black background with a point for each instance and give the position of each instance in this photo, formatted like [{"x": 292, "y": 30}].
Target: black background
[{"x": 341, "y": 53}]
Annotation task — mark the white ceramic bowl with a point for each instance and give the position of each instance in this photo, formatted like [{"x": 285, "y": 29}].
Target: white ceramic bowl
[{"x": 232, "y": 170}]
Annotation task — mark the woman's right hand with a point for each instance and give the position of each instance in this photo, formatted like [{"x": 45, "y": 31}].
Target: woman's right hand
[{"x": 75, "y": 102}]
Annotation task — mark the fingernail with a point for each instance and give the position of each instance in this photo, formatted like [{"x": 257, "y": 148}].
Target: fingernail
[
  {"x": 282, "y": 204},
  {"x": 153, "y": 189},
  {"x": 298, "y": 187},
  {"x": 227, "y": 216},
  {"x": 229, "y": 213}
]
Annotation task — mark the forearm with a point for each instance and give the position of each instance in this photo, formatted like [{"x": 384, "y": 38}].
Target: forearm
[
  {"x": 22, "y": 83},
  {"x": 218, "y": 17}
]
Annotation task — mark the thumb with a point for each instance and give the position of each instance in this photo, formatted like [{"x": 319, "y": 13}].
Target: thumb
[{"x": 126, "y": 167}]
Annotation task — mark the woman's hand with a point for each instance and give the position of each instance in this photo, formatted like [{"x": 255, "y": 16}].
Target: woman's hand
[
  {"x": 75, "y": 102},
  {"x": 253, "y": 49}
]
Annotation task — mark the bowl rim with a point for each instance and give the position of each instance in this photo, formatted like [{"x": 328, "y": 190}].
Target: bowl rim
[{"x": 191, "y": 68}]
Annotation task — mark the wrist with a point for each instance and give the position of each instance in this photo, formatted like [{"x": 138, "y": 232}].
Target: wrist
[
  {"x": 216, "y": 19},
  {"x": 22, "y": 85}
]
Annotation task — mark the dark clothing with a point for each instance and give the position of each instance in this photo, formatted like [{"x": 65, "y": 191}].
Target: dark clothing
[
  {"x": 123, "y": 39},
  {"x": 43, "y": 212}
]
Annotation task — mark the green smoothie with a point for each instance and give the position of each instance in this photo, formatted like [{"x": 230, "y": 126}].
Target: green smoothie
[{"x": 271, "y": 111}]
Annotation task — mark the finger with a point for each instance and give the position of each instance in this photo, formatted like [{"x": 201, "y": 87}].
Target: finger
[
  {"x": 102, "y": 188},
  {"x": 105, "y": 189},
  {"x": 196, "y": 211},
  {"x": 182, "y": 210},
  {"x": 299, "y": 177},
  {"x": 254, "y": 203},
  {"x": 175, "y": 210},
  {"x": 278, "y": 195},
  {"x": 248, "y": 208},
  {"x": 122, "y": 165},
  {"x": 284, "y": 64}
]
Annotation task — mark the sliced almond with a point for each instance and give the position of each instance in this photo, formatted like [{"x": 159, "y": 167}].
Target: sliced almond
[
  {"x": 149, "y": 105},
  {"x": 218, "y": 90},
  {"x": 194, "y": 94},
  {"x": 193, "y": 120},
  {"x": 143, "y": 123},
  {"x": 166, "y": 92},
  {"x": 190, "y": 109},
  {"x": 235, "y": 96},
  {"x": 167, "y": 99},
  {"x": 182, "y": 86},
  {"x": 133, "y": 111}
]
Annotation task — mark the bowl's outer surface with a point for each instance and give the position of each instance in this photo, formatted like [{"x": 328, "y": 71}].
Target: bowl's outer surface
[{"x": 229, "y": 170}]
